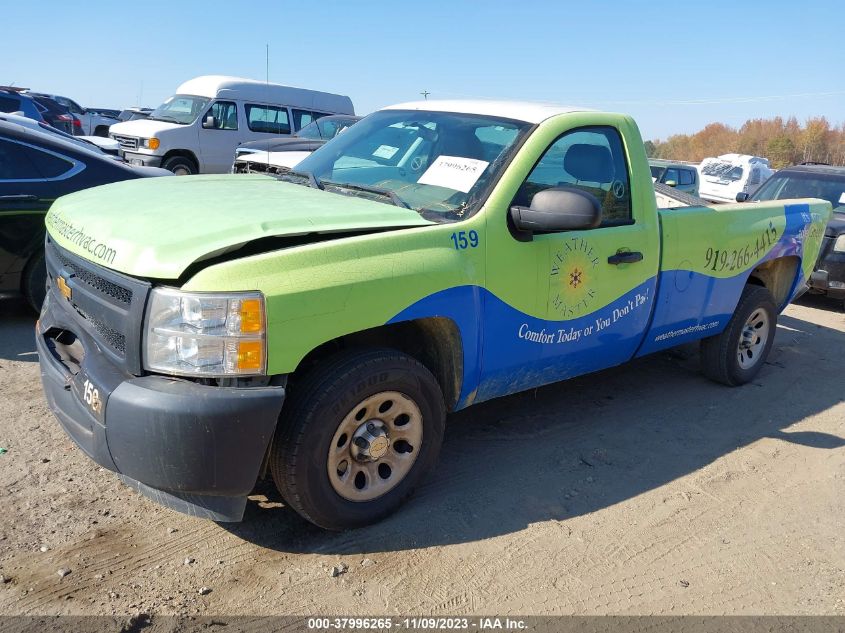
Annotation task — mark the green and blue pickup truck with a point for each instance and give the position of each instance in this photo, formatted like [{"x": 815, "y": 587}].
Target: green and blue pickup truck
[{"x": 202, "y": 332}]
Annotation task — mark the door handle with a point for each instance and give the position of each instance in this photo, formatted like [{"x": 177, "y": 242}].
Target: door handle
[{"x": 625, "y": 257}]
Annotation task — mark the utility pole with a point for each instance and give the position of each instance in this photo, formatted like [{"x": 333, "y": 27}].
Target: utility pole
[{"x": 425, "y": 94}]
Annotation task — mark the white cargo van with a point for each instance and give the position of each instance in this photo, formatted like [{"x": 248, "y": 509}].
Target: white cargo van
[
  {"x": 197, "y": 129},
  {"x": 725, "y": 176}
]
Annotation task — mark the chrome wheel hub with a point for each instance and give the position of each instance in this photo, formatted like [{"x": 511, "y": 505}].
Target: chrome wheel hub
[
  {"x": 375, "y": 446},
  {"x": 752, "y": 341},
  {"x": 370, "y": 442}
]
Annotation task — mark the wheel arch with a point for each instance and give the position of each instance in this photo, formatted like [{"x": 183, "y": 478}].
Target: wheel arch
[
  {"x": 778, "y": 276},
  {"x": 434, "y": 341},
  {"x": 185, "y": 153}
]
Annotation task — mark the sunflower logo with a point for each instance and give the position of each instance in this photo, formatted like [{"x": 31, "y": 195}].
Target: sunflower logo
[{"x": 570, "y": 292}]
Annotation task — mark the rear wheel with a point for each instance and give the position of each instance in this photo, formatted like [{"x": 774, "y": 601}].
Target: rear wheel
[
  {"x": 736, "y": 356},
  {"x": 180, "y": 165},
  {"x": 34, "y": 281},
  {"x": 356, "y": 436}
]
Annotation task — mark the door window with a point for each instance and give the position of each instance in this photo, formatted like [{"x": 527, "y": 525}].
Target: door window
[
  {"x": 267, "y": 119},
  {"x": 9, "y": 104},
  {"x": 301, "y": 118},
  {"x": 686, "y": 177},
  {"x": 671, "y": 174},
  {"x": 21, "y": 162},
  {"x": 591, "y": 159},
  {"x": 225, "y": 115}
]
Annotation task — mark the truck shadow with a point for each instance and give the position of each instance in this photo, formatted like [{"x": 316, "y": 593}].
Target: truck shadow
[
  {"x": 18, "y": 340},
  {"x": 821, "y": 302},
  {"x": 583, "y": 445}
]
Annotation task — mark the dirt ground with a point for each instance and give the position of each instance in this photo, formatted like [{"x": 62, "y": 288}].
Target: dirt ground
[{"x": 643, "y": 490}]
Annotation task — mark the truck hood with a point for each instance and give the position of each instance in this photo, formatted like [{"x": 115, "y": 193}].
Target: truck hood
[
  {"x": 142, "y": 128},
  {"x": 157, "y": 227}
]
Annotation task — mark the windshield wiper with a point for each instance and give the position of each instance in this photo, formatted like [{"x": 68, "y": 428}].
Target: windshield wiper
[
  {"x": 166, "y": 119},
  {"x": 387, "y": 193},
  {"x": 313, "y": 181}
]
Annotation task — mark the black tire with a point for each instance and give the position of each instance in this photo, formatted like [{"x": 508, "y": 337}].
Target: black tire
[
  {"x": 102, "y": 130},
  {"x": 34, "y": 281},
  {"x": 720, "y": 354},
  {"x": 316, "y": 407},
  {"x": 180, "y": 165}
]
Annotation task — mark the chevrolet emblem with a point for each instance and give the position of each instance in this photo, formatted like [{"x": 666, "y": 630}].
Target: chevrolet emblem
[{"x": 64, "y": 289}]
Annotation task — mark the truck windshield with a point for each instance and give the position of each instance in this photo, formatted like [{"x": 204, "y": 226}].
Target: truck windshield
[
  {"x": 182, "y": 109},
  {"x": 437, "y": 163},
  {"x": 786, "y": 185}
]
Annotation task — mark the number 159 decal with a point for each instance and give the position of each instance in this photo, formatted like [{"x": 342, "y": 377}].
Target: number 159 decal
[
  {"x": 91, "y": 395},
  {"x": 464, "y": 239}
]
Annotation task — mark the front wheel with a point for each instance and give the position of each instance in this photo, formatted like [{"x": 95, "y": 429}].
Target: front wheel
[
  {"x": 180, "y": 165},
  {"x": 356, "y": 436},
  {"x": 736, "y": 356},
  {"x": 34, "y": 281}
]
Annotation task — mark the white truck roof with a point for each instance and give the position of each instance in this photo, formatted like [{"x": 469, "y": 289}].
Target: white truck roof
[
  {"x": 739, "y": 158},
  {"x": 527, "y": 111},
  {"x": 222, "y": 86}
]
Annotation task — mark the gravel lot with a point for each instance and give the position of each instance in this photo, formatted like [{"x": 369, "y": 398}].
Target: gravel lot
[{"x": 644, "y": 489}]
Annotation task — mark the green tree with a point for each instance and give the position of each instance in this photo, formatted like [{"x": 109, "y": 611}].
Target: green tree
[{"x": 781, "y": 151}]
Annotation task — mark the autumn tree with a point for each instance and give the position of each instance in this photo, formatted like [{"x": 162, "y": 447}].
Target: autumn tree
[{"x": 782, "y": 142}]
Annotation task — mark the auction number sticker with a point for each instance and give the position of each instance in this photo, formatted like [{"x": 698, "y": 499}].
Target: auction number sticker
[{"x": 454, "y": 172}]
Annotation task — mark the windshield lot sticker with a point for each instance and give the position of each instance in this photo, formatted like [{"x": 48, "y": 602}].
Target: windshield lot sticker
[
  {"x": 385, "y": 151},
  {"x": 454, "y": 172}
]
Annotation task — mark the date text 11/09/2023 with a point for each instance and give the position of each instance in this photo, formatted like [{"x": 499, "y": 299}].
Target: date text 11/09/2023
[{"x": 416, "y": 624}]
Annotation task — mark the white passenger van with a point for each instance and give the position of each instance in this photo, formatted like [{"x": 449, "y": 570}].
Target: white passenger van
[
  {"x": 725, "y": 176},
  {"x": 197, "y": 129}
]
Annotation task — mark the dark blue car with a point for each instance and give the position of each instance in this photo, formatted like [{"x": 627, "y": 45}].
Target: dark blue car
[{"x": 13, "y": 101}]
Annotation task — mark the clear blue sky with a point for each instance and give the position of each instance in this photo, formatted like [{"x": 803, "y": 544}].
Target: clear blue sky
[{"x": 656, "y": 60}]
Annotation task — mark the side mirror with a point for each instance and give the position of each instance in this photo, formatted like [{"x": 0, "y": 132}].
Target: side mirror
[
  {"x": 742, "y": 196},
  {"x": 209, "y": 122},
  {"x": 671, "y": 183},
  {"x": 556, "y": 209}
]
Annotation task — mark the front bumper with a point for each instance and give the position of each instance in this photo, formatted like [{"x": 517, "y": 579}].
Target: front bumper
[
  {"x": 191, "y": 447},
  {"x": 136, "y": 158},
  {"x": 829, "y": 275}
]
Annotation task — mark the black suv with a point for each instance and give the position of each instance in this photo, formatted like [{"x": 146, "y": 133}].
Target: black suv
[
  {"x": 36, "y": 167},
  {"x": 827, "y": 183}
]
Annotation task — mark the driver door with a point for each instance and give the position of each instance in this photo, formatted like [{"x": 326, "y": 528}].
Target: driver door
[{"x": 571, "y": 302}]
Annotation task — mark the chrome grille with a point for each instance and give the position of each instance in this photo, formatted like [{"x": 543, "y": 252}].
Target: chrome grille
[{"x": 126, "y": 142}]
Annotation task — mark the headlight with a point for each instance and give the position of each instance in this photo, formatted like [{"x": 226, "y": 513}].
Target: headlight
[
  {"x": 839, "y": 244},
  {"x": 150, "y": 143},
  {"x": 203, "y": 334}
]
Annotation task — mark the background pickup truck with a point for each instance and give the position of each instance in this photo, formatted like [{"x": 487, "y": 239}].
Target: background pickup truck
[{"x": 200, "y": 332}]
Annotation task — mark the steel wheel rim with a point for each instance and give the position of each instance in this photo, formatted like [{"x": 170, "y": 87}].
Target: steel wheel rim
[
  {"x": 363, "y": 474},
  {"x": 753, "y": 339}
]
